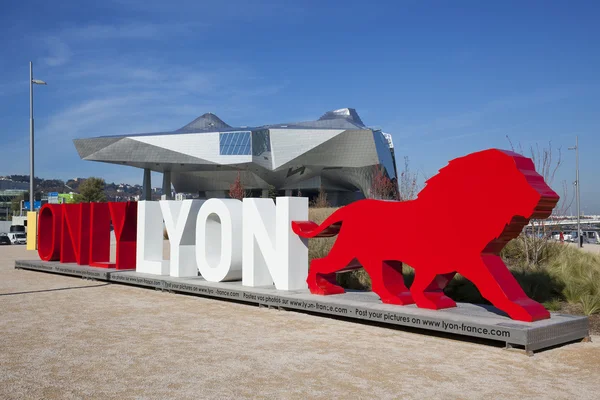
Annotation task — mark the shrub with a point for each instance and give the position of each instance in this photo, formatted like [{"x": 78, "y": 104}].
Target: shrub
[
  {"x": 236, "y": 190},
  {"x": 553, "y": 305},
  {"x": 580, "y": 274},
  {"x": 321, "y": 202},
  {"x": 526, "y": 250},
  {"x": 272, "y": 192},
  {"x": 382, "y": 186},
  {"x": 590, "y": 304}
]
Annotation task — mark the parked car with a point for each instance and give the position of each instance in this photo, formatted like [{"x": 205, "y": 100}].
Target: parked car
[
  {"x": 4, "y": 239},
  {"x": 591, "y": 237},
  {"x": 566, "y": 236},
  {"x": 17, "y": 238}
]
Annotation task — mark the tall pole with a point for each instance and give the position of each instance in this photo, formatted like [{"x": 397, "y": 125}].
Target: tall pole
[
  {"x": 31, "y": 172},
  {"x": 578, "y": 195}
]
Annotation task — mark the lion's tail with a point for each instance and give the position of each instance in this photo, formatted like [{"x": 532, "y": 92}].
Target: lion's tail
[{"x": 330, "y": 227}]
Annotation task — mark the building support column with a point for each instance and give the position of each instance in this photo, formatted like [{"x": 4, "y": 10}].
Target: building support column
[
  {"x": 288, "y": 193},
  {"x": 147, "y": 185},
  {"x": 166, "y": 185},
  {"x": 265, "y": 194}
]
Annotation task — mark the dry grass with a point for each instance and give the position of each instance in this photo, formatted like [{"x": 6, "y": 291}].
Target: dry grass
[
  {"x": 579, "y": 274},
  {"x": 319, "y": 248}
]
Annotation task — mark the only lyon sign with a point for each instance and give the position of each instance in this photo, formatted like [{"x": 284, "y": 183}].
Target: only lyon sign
[{"x": 264, "y": 243}]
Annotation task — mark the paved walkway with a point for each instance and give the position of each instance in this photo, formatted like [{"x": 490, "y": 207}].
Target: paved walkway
[
  {"x": 68, "y": 338},
  {"x": 589, "y": 247}
]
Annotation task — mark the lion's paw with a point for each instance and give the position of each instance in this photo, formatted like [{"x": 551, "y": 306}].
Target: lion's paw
[
  {"x": 323, "y": 285},
  {"x": 402, "y": 299},
  {"x": 435, "y": 301}
]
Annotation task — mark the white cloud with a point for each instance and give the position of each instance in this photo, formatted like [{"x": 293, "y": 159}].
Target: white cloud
[
  {"x": 131, "y": 30},
  {"x": 123, "y": 98},
  {"x": 59, "y": 44},
  {"x": 59, "y": 52},
  {"x": 106, "y": 88}
]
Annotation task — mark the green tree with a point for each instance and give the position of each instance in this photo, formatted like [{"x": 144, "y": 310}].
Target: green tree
[
  {"x": 272, "y": 192},
  {"x": 16, "y": 204},
  {"x": 91, "y": 191}
]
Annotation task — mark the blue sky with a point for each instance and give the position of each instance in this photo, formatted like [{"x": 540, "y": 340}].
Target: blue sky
[{"x": 444, "y": 77}]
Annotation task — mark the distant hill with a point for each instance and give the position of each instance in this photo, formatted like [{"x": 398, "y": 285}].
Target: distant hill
[{"x": 114, "y": 191}]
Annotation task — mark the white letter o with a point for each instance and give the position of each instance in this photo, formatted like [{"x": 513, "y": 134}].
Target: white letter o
[{"x": 219, "y": 240}]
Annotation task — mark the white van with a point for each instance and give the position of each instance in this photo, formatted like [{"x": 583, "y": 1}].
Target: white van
[
  {"x": 17, "y": 237},
  {"x": 588, "y": 237},
  {"x": 591, "y": 237}
]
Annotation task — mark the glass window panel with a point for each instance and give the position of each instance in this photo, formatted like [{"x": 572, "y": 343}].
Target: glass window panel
[
  {"x": 231, "y": 143},
  {"x": 235, "y": 143},
  {"x": 384, "y": 153},
  {"x": 260, "y": 142}
]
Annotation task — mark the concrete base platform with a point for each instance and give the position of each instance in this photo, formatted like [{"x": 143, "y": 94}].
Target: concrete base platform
[{"x": 466, "y": 319}]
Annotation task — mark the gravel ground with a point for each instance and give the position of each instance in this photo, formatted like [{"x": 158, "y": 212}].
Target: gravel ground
[{"x": 68, "y": 338}]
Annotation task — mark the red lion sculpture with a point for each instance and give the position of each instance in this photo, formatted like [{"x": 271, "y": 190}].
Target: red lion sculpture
[{"x": 489, "y": 196}]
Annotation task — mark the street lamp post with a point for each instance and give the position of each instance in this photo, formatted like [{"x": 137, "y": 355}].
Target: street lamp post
[
  {"x": 576, "y": 148},
  {"x": 31, "y": 146}
]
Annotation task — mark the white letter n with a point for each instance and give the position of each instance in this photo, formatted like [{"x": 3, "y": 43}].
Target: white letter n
[{"x": 273, "y": 253}]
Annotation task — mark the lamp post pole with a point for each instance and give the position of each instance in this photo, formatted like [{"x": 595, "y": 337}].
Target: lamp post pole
[
  {"x": 31, "y": 144},
  {"x": 31, "y": 173},
  {"x": 576, "y": 148}
]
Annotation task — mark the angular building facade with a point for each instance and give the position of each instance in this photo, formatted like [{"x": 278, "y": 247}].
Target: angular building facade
[{"x": 336, "y": 152}]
